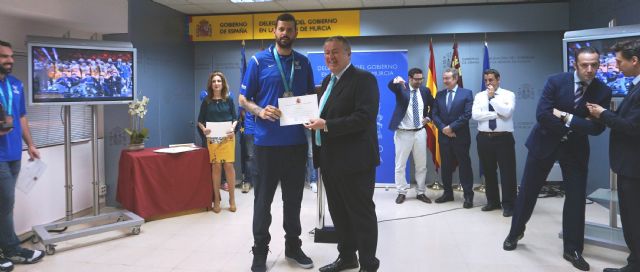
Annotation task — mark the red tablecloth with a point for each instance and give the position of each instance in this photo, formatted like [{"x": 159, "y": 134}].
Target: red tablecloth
[{"x": 152, "y": 184}]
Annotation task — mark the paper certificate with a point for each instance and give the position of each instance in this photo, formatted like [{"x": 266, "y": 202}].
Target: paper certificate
[
  {"x": 29, "y": 175},
  {"x": 298, "y": 109},
  {"x": 218, "y": 129}
]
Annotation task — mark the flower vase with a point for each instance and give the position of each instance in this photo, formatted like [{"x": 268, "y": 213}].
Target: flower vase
[{"x": 135, "y": 147}]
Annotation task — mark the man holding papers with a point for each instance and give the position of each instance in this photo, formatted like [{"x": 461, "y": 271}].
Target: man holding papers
[
  {"x": 281, "y": 151},
  {"x": 346, "y": 150}
]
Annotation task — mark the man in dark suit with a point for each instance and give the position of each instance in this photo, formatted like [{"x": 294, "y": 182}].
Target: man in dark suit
[
  {"x": 561, "y": 134},
  {"x": 346, "y": 150},
  {"x": 412, "y": 113},
  {"x": 624, "y": 150},
  {"x": 451, "y": 114}
]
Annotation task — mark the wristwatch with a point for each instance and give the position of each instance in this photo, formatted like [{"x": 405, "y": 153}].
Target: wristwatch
[{"x": 563, "y": 116}]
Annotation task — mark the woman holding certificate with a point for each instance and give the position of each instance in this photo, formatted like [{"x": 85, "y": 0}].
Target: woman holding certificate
[{"x": 217, "y": 120}]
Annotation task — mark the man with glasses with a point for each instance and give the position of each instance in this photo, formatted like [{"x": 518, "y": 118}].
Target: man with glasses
[{"x": 411, "y": 114}]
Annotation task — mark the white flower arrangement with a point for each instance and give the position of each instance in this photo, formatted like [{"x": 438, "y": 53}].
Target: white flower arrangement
[{"x": 137, "y": 110}]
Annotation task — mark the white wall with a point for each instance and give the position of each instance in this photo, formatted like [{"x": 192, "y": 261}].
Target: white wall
[{"x": 46, "y": 201}]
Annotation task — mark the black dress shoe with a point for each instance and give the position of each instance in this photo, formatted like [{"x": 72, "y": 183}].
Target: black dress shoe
[
  {"x": 340, "y": 264},
  {"x": 468, "y": 204},
  {"x": 444, "y": 198},
  {"x": 627, "y": 268},
  {"x": 490, "y": 207},
  {"x": 423, "y": 198},
  {"x": 507, "y": 212},
  {"x": 575, "y": 258},
  {"x": 400, "y": 198},
  {"x": 511, "y": 243}
]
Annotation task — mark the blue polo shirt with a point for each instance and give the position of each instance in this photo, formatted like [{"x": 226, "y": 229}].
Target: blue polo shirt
[
  {"x": 11, "y": 144},
  {"x": 263, "y": 85}
]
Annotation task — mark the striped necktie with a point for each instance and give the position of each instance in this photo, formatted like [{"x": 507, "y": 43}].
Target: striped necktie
[
  {"x": 582, "y": 86},
  {"x": 414, "y": 105},
  {"x": 323, "y": 101}
]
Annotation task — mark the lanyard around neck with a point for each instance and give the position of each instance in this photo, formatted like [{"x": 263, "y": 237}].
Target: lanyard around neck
[
  {"x": 287, "y": 85},
  {"x": 6, "y": 105}
]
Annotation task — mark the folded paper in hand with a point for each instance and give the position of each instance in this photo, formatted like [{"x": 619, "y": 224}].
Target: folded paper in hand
[{"x": 29, "y": 175}]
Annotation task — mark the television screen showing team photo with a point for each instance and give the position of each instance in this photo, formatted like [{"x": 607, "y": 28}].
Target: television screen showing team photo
[{"x": 81, "y": 75}]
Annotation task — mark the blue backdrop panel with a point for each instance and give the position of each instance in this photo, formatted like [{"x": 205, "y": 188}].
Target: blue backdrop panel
[{"x": 385, "y": 65}]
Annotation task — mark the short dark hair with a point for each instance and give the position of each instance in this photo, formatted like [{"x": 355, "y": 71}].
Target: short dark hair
[
  {"x": 414, "y": 71},
  {"x": 585, "y": 50},
  {"x": 493, "y": 72},
  {"x": 628, "y": 49},
  {"x": 5, "y": 44},
  {"x": 286, "y": 17},
  {"x": 343, "y": 40}
]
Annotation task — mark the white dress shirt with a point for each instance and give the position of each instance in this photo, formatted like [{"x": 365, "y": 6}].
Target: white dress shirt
[
  {"x": 407, "y": 121},
  {"x": 338, "y": 76},
  {"x": 503, "y": 102}
]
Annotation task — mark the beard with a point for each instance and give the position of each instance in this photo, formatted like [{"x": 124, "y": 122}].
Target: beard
[
  {"x": 286, "y": 44},
  {"x": 4, "y": 70}
]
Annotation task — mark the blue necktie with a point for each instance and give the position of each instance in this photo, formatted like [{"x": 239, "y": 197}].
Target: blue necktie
[
  {"x": 449, "y": 99},
  {"x": 492, "y": 123},
  {"x": 323, "y": 100},
  {"x": 416, "y": 114}
]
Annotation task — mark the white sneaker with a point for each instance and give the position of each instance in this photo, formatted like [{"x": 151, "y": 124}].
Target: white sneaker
[{"x": 314, "y": 187}]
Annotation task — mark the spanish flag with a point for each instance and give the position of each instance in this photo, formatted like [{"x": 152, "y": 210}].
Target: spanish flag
[{"x": 432, "y": 131}]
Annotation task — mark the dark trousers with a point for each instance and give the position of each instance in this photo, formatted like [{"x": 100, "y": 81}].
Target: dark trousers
[
  {"x": 9, "y": 242},
  {"x": 629, "y": 201},
  {"x": 251, "y": 170},
  {"x": 452, "y": 153},
  {"x": 350, "y": 200},
  {"x": 284, "y": 164},
  {"x": 574, "y": 175},
  {"x": 498, "y": 150}
]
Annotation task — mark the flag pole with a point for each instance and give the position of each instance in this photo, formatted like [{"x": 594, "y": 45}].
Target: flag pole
[
  {"x": 436, "y": 185},
  {"x": 482, "y": 188}
]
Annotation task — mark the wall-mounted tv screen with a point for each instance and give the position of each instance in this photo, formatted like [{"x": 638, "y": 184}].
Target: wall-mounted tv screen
[
  {"x": 68, "y": 74},
  {"x": 602, "y": 39}
]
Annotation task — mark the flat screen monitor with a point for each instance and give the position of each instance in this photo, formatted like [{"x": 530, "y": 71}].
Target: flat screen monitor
[
  {"x": 602, "y": 39},
  {"x": 69, "y": 74}
]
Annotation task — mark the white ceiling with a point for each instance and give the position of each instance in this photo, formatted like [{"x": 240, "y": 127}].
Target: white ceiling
[{"x": 194, "y": 7}]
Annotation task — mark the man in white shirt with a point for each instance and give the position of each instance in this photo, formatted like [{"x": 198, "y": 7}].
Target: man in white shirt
[
  {"x": 493, "y": 109},
  {"x": 412, "y": 112}
]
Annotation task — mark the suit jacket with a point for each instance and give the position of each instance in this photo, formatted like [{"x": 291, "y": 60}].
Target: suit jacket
[
  {"x": 559, "y": 93},
  {"x": 351, "y": 110},
  {"x": 457, "y": 117},
  {"x": 624, "y": 142},
  {"x": 402, "y": 102}
]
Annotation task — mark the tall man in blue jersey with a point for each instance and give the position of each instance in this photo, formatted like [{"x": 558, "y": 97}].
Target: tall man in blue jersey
[
  {"x": 281, "y": 151},
  {"x": 12, "y": 99}
]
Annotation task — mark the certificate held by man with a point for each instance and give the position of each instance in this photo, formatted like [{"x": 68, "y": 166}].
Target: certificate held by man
[{"x": 298, "y": 109}]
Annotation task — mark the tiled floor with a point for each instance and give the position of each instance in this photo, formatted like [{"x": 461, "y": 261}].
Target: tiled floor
[{"x": 451, "y": 239}]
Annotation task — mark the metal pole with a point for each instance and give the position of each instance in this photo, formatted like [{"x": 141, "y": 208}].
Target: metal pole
[
  {"x": 320, "y": 213},
  {"x": 67, "y": 163},
  {"x": 613, "y": 184},
  {"x": 94, "y": 152}
]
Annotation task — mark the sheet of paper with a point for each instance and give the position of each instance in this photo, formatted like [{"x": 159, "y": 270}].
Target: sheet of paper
[
  {"x": 29, "y": 175},
  {"x": 174, "y": 150},
  {"x": 298, "y": 109},
  {"x": 218, "y": 129}
]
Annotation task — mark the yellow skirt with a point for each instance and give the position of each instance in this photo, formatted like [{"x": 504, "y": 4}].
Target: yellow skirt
[{"x": 222, "y": 152}]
